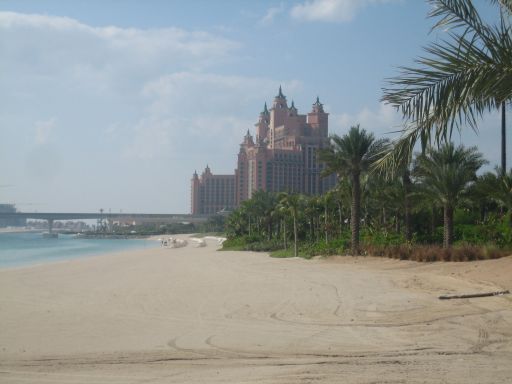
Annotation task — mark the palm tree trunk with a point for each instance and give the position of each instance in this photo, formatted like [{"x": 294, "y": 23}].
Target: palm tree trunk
[
  {"x": 433, "y": 221},
  {"x": 355, "y": 213},
  {"x": 407, "y": 205},
  {"x": 341, "y": 218},
  {"x": 503, "y": 141},
  {"x": 482, "y": 212},
  {"x": 448, "y": 226},
  {"x": 325, "y": 224},
  {"x": 295, "y": 235},
  {"x": 284, "y": 234}
]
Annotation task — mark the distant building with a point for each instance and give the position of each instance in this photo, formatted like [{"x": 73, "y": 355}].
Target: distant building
[
  {"x": 282, "y": 157},
  {"x": 211, "y": 193},
  {"x": 12, "y": 222}
]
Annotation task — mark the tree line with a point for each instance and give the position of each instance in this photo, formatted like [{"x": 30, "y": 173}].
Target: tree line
[
  {"x": 407, "y": 206},
  {"x": 384, "y": 187}
]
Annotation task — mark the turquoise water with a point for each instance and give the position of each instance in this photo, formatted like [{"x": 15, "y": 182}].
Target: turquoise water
[{"x": 21, "y": 249}]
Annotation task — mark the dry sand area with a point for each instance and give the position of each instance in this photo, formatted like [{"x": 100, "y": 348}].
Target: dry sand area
[{"x": 195, "y": 315}]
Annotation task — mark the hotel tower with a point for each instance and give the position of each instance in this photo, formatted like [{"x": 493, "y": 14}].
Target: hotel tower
[{"x": 282, "y": 157}]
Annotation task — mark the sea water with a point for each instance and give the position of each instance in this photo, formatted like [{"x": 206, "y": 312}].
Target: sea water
[{"x": 28, "y": 248}]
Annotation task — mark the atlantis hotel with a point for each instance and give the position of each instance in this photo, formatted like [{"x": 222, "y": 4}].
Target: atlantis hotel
[{"x": 282, "y": 157}]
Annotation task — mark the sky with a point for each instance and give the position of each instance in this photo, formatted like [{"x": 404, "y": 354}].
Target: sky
[{"x": 114, "y": 104}]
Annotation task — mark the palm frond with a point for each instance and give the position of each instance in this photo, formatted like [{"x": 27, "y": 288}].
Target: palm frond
[{"x": 456, "y": 82}]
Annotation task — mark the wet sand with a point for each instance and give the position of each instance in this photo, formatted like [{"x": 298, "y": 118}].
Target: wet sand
[{"x": 195, "y": 315}]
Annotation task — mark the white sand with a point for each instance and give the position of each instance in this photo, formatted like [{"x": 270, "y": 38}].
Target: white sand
[{"x": 194, "y": 315}]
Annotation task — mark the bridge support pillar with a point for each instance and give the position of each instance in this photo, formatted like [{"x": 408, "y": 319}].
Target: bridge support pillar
[{"x": 50, "y": 225}]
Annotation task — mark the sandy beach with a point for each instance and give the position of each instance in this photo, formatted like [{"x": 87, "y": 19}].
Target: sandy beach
[{"x": 195, "y": 315}]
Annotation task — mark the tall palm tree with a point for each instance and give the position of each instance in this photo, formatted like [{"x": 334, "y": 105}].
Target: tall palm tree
[
  {"x": 292, "y": 204},
  {"x": 445, "y": 174},
  {"x": 350, "y": 156},
  {"x": 462, "y": 77}
]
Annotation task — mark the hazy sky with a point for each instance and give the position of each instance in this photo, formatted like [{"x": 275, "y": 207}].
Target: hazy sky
[{"x": 113, "y": 104}]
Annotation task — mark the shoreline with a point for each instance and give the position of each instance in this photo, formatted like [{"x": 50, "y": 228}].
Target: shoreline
[
  {"x": 148, "y": 243},
  {"x": 20, "y": 230},
  {"x": 197, "y": 315}
]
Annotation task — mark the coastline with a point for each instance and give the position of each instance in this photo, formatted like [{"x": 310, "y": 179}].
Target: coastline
[
  {"x": 20, "y": 230},
  {"x": 196, "y": 315},
  {"x": 28, "y": 248}
]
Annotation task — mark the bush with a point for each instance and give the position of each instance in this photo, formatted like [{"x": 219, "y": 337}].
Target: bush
[
  {"x": 282, "y": 253},
  {"x": 333, "y": 247},
  {"x": 264, "y": 246},
  {"x": 431, "y": 253},
  {"x": 382, "y": 238},
  {"x": 389, "y": 245},
  {"x": 234, "y": 244},
  {"x": 250, "y": 243}
]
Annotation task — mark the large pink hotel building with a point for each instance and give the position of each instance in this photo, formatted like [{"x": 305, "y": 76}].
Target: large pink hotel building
[{"x": 282, "y": 157}]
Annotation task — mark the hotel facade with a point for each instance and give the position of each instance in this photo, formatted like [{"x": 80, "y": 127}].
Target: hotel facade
[{"x": 283, "y": 156}]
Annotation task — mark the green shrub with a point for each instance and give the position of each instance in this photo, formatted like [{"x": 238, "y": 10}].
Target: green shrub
[
  {"x": 250, "y": 243},
  {"x": 282, "y": 253},
  {"x": 381, "y": 238},
  {"x": 264, "y": 246},
  {"x": 321, "y": 248},
  {"x": 234, "y": 244}
]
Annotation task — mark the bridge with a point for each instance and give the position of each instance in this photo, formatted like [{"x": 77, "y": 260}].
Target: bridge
[{"x": 110, "y": 217}]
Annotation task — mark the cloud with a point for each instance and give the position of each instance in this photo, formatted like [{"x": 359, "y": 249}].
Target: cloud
[
  {"x": 133, "y": 107},
  {"x": 190, "y": 112},
  {"x": 209, "y": 93},
  {"x": 331, "y": 10},
  {"x": 48, "y": 45},
  {"x": 271, "y": 14},
  {"x": 382, "y": 121}
]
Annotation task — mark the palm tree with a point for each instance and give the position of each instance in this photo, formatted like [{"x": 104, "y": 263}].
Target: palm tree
[
  {"x": 248, "y": 211},
  {"x": 292, "y": 203},
  {"x": 385, "y": 202},
  {"x": 343, "y": 196},
  {"x": 281, "y": 212},
  {"x": 498, "y": 188},
  {"x": 350, "y": 156},
  {"x": 236, "y": 223},
  {"x": 263, "y": 203},
  {"x": 445, "y": 174},
  {"x": 463, "y": 77},
  {"x": 401, "y": 170},
  {"x": 312, "y": 212},
  {"x": 503, "y": 191},
  {"x": 328, "y": 204}
]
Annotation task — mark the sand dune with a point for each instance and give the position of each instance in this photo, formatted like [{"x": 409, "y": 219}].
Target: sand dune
[{"x": 194, "y": 315}]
